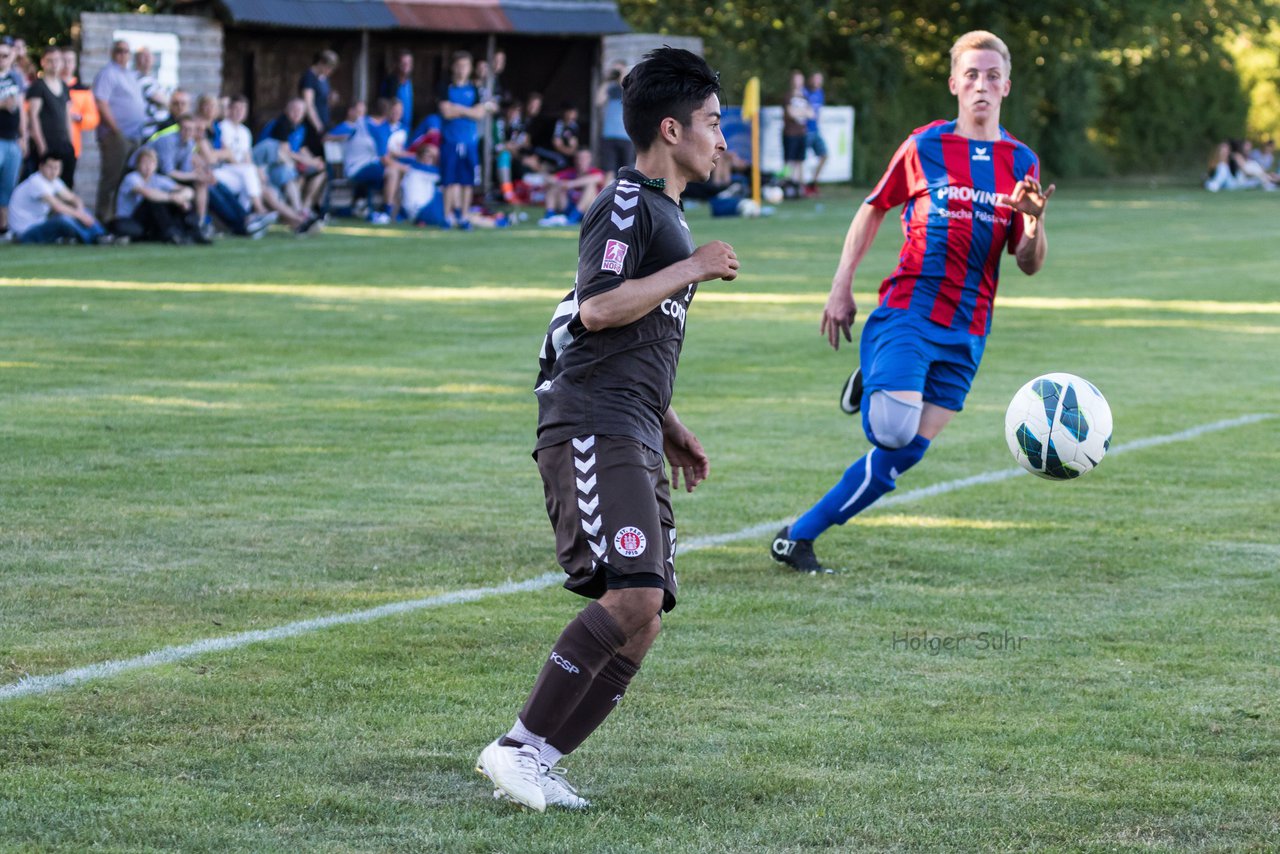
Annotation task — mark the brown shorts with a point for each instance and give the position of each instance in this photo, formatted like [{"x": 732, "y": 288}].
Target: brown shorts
[{"x": 610, "y": 504}]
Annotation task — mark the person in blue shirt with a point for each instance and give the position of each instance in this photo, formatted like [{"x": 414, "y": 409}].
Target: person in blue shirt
[
  {"x": 370, "y": 159},
  {"x": 813, "y": 135},
  {"x": 461, "y": 107},
  {"x": 616, "y": 150},
  {"x": 398, "y": 86}
]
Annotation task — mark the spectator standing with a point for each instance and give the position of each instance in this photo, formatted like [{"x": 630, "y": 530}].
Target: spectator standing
[
  {"x": 398, "y": 85},
  {"x": 795, "y": 129},
  {"x": 13, "y": 133},
  {"x": 616, "y": 150},
  {"x": 316, "y": 93},
  {"x": 23, "y": 69},
  {"x": 817, "y": 97},
  {"x": 44, "y": 210},
  {"x": 123, "y": 114},
  {"x": 159, "y": 112},
  {"x": 84, "y": 112},
  {"x": 50, "y": 120},
  {"x": 461, "y": 107}
]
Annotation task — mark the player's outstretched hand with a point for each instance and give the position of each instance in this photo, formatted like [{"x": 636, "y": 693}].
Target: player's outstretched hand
[
  {"x": 1027, "y": 197},
  {"x": 716, "y": 260},
  {"x": 837, "y": 317},
  {"x": 684, "y": 453}
]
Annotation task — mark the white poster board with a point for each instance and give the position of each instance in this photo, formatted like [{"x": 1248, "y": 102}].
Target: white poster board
[
  {"x": 835, "y": 124},
  {"x": 163, "y": 46}
]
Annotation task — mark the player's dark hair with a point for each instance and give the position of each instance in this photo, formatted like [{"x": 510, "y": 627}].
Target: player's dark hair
[{"x": 668, "y": 82}]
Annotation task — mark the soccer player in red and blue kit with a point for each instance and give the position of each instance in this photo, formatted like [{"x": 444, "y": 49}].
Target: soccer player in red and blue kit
[{"x": 968, "y": 190}]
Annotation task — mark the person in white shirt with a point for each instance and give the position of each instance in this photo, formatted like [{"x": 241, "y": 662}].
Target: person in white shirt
[
  {"x": 43, "y": 210},
  {"x": 230, "y": 149}
]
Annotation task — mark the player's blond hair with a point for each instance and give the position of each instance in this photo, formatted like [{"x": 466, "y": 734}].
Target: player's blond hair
[{"x": 980, "y": 40}]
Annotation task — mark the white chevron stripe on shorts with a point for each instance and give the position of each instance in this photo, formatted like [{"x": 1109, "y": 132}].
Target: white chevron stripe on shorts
[{"x": 584, "y": 460}]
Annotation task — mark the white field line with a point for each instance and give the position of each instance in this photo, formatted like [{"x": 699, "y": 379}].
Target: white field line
[{"x": 46, "y": 684}]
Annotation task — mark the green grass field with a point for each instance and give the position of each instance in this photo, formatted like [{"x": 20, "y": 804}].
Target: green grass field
[{"x": 203, "y": 442}]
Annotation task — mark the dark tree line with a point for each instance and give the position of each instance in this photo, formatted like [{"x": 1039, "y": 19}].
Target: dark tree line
[{"x": 1099, "y": 86}]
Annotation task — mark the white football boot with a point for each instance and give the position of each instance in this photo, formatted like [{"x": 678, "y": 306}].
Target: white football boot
[
  {"x": 558, "y": 790},
  {"x": 516, "y": 773}
]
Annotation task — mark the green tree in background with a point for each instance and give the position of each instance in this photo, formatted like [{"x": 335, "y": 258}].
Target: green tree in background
[
  {"x": 44, "y": 22},
  {"x": 1099, "y": 86}
]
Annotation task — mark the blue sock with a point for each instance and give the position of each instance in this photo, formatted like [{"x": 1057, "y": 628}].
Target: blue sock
[{"x": 862, "y": 483}]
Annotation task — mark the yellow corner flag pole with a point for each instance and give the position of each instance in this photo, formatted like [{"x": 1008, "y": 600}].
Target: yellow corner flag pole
[{"x": 751, "y": 111}]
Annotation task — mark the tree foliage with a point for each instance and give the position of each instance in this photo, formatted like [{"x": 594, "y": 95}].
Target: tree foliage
[
  {"x": 46, "y": 22},
  {"x": 1099, "y": 86}
]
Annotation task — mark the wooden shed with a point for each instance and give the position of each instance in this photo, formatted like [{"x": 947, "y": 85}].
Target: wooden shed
[{"x": 552, "y": 46}]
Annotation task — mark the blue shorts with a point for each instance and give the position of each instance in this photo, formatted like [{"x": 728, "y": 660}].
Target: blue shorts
[
  {"x": 280, "y": 174},
  {"x": 902, "y": 351},
  {"x": 815, "y": 143},
  {"x": 459, "y": 164},
  {"x": 432, "y": 213},
  {"x": 10, "y": 169},
  {"x": 371, "y": 175}
]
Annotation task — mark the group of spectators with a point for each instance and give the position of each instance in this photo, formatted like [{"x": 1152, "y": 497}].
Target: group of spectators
[
  {"x": 180, "y": 168},
  {"x": 171, "y": 166},
  {"x": 428, "y": 172},
  {"x": 1237, "y": 164},
  {"x": 801, "y": 134}
]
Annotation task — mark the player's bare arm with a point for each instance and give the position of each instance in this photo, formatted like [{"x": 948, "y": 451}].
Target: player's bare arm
[
  {"x": 1029, "y": 200},
  {"x": 840, "y": 311},
  {"x": 635, "y": 298},
  {"x": 684, "y": 453}
]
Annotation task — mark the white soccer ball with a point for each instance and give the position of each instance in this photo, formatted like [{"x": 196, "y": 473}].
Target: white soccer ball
[
  {"x": 772, "y": 194},
  {"x": 1058, "y": 426},
  {"x": 748, "y": 208}
]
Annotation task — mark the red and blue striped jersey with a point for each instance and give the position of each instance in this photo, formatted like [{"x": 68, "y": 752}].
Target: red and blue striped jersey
[{"x": 955, "y": 232}]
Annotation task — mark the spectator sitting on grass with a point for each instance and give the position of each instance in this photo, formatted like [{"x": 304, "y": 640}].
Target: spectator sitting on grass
[
  {"x": 571, "y": 191},
  {"x": 178, "y": 159},
  {"x": 151, "y": 206},
  {"x": 290, "y": 166},
  {"x": 421, "y": 194},
  {"x": 43, "y": 210},
  {"x": 342, "y": 130},
  {"x": 368, "y": 163}
]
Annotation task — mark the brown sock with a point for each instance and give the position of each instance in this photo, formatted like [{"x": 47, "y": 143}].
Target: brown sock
[
  {"x": 584, "y": 648},
  {"x": 602, "y": 698}
]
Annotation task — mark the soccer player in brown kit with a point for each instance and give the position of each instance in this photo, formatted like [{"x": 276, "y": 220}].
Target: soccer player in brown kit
[{"x": 605, "y": 420}]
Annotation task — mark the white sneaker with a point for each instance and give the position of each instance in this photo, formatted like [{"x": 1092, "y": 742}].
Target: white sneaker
[
  {"x": 558, "y": 791},
  {"x": 516, "y": 773},
  {"x": 553, "y": 220}
]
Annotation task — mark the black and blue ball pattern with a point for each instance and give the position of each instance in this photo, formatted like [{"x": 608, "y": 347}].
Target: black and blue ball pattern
[{"x": 1058, "y": 426}]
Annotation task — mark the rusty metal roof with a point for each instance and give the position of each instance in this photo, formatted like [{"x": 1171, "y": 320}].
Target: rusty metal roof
[{"x": 540, "y": 17}]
